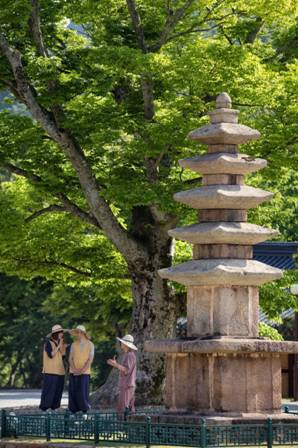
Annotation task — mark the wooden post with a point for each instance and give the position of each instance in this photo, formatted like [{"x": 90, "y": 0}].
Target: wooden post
[{"x": 295, "y": 367}]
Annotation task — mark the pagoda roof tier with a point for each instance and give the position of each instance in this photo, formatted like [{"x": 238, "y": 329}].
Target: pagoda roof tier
[
  {"x": 223, "y": 233},
  {"x": 224, "y": 115},
  {"x": 234, "y": 272},
  {"x": 226, "y": 163},
  {"x": 222, "y": 346},
  {"x": 239, "y": 197},
  {"x": 224, "y": 133}
]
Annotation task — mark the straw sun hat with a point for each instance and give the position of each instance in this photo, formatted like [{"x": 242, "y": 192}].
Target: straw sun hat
[
  {"x": 56, "y": 329},
  {"x": 80, "y": 328},
  {"x": 128, "y": 340}
]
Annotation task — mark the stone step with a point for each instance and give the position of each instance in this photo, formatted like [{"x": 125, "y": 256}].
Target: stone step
[
  {"x": 223, "y": 163},
  {"x": 224, "y": 133},
  {"x": 223, "y": 196},
  {"x": 223, "y": 233},
  {"x": 228, "y": 272}
]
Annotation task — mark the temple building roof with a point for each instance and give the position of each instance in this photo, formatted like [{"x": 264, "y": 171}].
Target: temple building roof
[{"x": 277, "y": 254}]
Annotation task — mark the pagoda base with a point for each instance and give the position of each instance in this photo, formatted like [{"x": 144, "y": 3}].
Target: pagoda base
[
  {"x": 217, "y": 419},
  {"x": 212, "y": 383},
  {"x": 223, "y": 374}
]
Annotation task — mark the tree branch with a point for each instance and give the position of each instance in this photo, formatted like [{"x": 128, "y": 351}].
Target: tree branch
[
  {"x": 43, "y": 211},
  {"x": 148, "y": 97},
  {"x": 26, "y": 92},
  {"x": 68, "y": 267},
  {"x": 37, "y": 37},
  {"x": 196, "y": 29},
  {"x": 127, "y": 245},
  {"x": 54, "y": 263},
  {"x": 172, "y": 20},
  {"x": 69, "y": 206},
  {"x": 71, "y": 268},
  {"x": 21, "y": 172},
  {"x": 137, "y": 24},
  {"x": 77, "y": 211},
  {"x": 229, "y": 39},
  {"x": 252, "y": 35},
  {"x": 35, "y": 29},
  {"x": 13, "y": 89}
]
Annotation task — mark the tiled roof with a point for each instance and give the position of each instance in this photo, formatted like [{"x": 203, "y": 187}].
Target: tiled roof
[
  {"x": 287, "y": 314},
  {"x": 280, "y": 255},
  {"x": 277, "y": 254}
]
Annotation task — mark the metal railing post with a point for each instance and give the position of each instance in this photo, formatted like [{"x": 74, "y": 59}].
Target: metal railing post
[
  {"x": 48, "y": 426},
  {"x": 3, "y": 424},
  {"x": 203, "y": 433},
  {"x": 148, "y": 432},
  {"x": 96, "y": 428},
  {"x": 269, "y": 433},
  {"x": 66, "y": 423}
]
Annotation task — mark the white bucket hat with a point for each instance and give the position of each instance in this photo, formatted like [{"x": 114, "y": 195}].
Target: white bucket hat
[
  {"x": 56, "y": 329},
  {"x": 128, "y": 340},
  {"x": 82, "y": 329}
]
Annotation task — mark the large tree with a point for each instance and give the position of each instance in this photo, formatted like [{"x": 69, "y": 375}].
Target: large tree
[{"x": 111, "y": 89}]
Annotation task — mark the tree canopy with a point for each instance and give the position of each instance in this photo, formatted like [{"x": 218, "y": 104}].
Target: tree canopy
[{"x": 111, "y": 90}]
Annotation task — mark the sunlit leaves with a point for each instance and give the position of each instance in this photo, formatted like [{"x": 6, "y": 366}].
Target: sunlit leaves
[
  {"x": 96, "y": 68},
  {"x": 265, "y": 331}
]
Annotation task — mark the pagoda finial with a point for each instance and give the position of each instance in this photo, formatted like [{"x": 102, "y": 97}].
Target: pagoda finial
[
  {"x": 223, "y": 101},
  {"x": 224, "y": 128}
]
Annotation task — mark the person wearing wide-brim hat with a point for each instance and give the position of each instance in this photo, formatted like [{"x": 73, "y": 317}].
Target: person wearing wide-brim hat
[
  {"x": 53, "y": 369},
  {"x": 80, "y": 360},
  {"x": 127, "y": 374}
]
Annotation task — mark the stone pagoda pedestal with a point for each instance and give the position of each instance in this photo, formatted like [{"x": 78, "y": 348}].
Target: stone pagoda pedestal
[{"x": 223, "y": 366}]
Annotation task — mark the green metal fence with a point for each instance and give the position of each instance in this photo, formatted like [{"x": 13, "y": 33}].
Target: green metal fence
[{"x": 140, "y": 429}]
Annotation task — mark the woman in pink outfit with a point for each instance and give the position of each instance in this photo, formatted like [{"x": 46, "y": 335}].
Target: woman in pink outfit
[{"x": 127, "y": 374}]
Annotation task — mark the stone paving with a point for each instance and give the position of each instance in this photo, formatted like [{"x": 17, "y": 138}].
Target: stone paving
[{"x": 15, "y": 398}]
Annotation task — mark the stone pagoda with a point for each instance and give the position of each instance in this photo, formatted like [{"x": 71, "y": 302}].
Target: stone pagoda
[{"x": 223, "y": 366}]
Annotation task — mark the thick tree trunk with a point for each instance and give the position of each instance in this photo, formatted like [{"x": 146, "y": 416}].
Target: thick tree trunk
[
  {"x": 106, "y": 395},
  {"x": 154, "y": 310},
  {"x": 154, "y": 316}
]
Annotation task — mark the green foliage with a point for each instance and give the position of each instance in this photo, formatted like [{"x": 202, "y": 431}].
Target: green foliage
[
  {"x": 266, "y": 331},
  {"x": 97, "y": 67},
  {"x": 28, "y": 310},
  {"x": 281, "y": 212},
  {"x": 276, "y": 297},
  {"x": 23, "y": 326}
]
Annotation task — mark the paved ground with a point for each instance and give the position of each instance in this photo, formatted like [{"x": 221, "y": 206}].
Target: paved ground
[
  {"x": 11, "y": 398},
  {"x": 15, "y": 398}
]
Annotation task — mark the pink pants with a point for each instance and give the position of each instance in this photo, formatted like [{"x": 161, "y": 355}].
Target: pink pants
[{"x": 126, "y": 399}]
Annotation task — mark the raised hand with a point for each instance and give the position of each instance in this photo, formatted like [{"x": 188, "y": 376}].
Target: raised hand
[{"x": 112, "y": 362}]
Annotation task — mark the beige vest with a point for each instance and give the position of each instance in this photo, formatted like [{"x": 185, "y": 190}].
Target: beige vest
[
  {"x": 81, "y": 356},
  {"x": 53, "y": 365}
]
